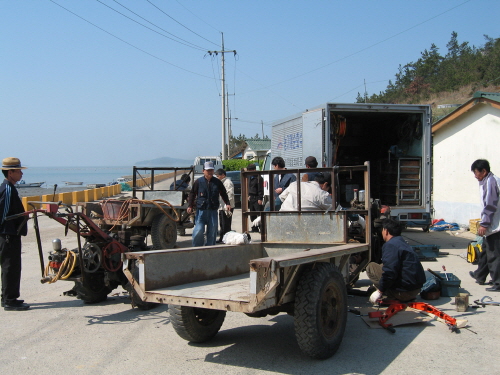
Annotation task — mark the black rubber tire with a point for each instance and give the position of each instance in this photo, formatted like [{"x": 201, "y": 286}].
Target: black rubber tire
[
  {"x": 92, "y": 289},
  {"x": 426, "y": 228},
  {"x": 195, "y": 324},
  {"x": 163, "y": 232},
  {"x": 320, "y": 313}
]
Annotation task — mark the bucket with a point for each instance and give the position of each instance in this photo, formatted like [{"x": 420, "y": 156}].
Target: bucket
[
  {"x": 361, "y": 196},
  {"x": 462, "y": 302}
]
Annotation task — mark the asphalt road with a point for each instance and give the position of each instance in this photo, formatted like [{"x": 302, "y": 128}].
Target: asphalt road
[{"x": 62, "y": 335}]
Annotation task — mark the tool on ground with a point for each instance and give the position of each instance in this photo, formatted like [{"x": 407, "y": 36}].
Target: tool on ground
[
  {"x": 486, "y": 300},
  {"x": 396, "y": 306},
  {"x": 435, "y": 274}
]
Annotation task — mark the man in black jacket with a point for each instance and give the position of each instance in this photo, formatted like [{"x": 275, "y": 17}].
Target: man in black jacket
[
  {"x": 10, "y": 235},
  {"x": 255, "y": 194},
  {"x": 400, "y": 276},
  {"x": 205, "y": 195}
]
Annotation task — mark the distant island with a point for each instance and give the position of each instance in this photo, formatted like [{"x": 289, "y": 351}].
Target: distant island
[{"x": 165, "y": 162}]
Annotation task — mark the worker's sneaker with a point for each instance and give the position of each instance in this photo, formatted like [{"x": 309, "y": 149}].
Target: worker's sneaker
[
  {"x": 494, "y": 288},
  {"x": 16, "y": 307},
  {"x": 16, "y": 302}
]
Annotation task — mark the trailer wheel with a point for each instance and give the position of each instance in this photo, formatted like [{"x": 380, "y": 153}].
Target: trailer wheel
[
  {"x": 163, "y": 232},
  {"x": 92, "y": 289},
  {"x": 195, "y": 324},
  {"x": 426, "y": 228},
  {"x": 320, "y": 310}
]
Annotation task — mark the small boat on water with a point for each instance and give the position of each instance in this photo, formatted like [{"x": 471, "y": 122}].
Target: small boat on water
[
  {"x": 22, "y": 184},
  {"x": 73, "y": 183}
]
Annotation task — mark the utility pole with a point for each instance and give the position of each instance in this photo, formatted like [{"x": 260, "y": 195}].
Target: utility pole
[{"x": 223, "y": 86}]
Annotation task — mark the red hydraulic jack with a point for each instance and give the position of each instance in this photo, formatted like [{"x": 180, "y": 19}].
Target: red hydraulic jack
[{"x": 396, "y": 306}]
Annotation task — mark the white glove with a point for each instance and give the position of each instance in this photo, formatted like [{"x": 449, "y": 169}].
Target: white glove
[
  {"x": 376, "y": 295},
  {"x": 227, "y": 212},
  {"x": 256, "y": 222}
]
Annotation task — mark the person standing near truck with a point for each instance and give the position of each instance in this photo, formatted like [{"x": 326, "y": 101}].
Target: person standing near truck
[
  {"x": 255, "y": 194},
  {"x": 281, "y": 181},
  {"x": 401, "y": 275},
  {"x": 225, "y": 217},
  {"x": 489, "y": 226},
  {"x": 205, "y": 195},
  {"x": 10, "y": 235},
  {"x": 310, "y": 162}
]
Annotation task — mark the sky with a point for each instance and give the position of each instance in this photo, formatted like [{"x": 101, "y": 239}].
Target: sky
[{"x": 114, "y": 82}]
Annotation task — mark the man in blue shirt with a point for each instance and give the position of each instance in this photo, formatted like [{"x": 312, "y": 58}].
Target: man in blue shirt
[
  {"x": 401, "y": 275},
  {"x": 205, "y": 194}
]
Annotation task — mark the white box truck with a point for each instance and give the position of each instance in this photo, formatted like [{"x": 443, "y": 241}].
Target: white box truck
[{"x": 394, "y": 138}]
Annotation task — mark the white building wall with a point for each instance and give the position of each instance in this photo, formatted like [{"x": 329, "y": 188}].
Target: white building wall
[{"x": 473, "y": 135}]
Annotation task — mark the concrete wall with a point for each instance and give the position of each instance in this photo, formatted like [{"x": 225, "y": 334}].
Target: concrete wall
[{"x": 474, "y": 135}]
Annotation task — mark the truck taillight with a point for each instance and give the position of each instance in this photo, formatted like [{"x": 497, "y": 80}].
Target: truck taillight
[{"x": 415, "y": 216}]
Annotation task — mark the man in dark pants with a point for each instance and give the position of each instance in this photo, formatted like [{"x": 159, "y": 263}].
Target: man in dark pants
[
  {"x": 400, "y": 276},
  {"x": 10, "y": 235},
  {"x": 489, "y": 226},
  {"x": 205, "y": 195},
  {"x": 225, "y": 217},
  {"x": 255, "y": 194}
]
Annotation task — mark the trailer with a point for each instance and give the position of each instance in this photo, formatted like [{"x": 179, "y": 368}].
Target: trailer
[
  {"x": 394, "y": 138},
  {"x": 300, "y": 267}
]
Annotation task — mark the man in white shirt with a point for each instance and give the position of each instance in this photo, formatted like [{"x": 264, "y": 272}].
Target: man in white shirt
[{"x": 314, "y": 195}]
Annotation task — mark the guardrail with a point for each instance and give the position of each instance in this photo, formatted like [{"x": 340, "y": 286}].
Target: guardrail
[{"x": 90, "y": 195}]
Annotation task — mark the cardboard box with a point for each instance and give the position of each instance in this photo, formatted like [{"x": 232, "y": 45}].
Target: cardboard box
[{"x": 473, "y": 225}]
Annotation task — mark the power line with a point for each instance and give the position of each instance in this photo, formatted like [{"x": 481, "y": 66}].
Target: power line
[
  {"x": 187, "y": 44},
  {"x": 187, "y": 28},
  {"x": 201, "y": 19},
  {"x": 130, "y": 44},
  {"x": 364, "y": 49}
]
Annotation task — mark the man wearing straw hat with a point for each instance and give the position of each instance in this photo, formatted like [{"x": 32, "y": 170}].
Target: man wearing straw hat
[{"x": 10, "y": 235}]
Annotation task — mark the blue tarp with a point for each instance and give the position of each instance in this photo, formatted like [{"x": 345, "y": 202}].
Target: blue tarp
[{"x": 443, "y": 225}]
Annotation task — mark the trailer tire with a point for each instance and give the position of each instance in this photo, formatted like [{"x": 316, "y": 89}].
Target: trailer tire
[
  {"x": 93, "y": 288},
  {"x": 320, "y": 313},
  {"x": 196, "y": 324},
  {"x": 163, "y": 232}
]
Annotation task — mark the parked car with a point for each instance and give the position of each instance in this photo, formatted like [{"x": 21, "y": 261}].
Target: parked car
[{"x": 235, "y": 176}]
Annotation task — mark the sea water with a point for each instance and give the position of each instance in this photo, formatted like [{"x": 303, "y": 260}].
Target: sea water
[{"x": 87, "y": 175}]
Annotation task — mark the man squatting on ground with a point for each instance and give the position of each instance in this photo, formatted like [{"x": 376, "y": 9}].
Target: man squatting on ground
[
  {"x": 10, "y": 235},
  {"x": 255, "y": 194},
  {"x": 401, "y": 275},
  {"x": 205, "y": 194},
  {"x": 225, "y": 217},
  {"x": 489, "y": 226}
]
